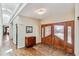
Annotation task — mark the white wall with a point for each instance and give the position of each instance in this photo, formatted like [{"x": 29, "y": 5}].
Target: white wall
[
  {"x": 1, "y": 26},
  {"x": 1, "y": 34},
  {"x": 76, "y": 29},
  {"x": 22, "y": 22},
  {"x": 16, "y": 21},
  {"x": 36, "y": 26},
  {"x": 11, "y": 31},
  {"x": 21, "y": 35}
]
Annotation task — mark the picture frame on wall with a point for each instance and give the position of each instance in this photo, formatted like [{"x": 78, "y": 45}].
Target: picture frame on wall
[{"x": 29, "y": 29}]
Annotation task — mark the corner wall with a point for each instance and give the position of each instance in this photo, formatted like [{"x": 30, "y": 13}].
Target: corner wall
[
  {"x": 76, "y": 29},
  {"x": 1, "y": 26},
  {"x": 36, "y": 27},
  {"x": 22, "y": 22},
  {"x": 66, "y": 17}
]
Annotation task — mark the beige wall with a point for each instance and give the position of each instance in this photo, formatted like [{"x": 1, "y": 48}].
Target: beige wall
[
  {"x": 55, "y": 20},
  {"x": 66, "y": 17}
]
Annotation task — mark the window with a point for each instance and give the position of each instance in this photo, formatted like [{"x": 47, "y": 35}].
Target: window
[{"x": 59, "y": 31}]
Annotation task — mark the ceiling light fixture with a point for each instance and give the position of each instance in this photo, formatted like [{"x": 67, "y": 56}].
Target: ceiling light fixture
[{"x": 41, "y": 11}]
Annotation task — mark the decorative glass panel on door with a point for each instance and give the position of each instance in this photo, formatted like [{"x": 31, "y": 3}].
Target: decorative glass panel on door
[
  {"x": 59, "y": 31},
  {"x": 47, "y": 31},
  {"x": 42, "y": 32},
  {"x": 69, "y": 38}
]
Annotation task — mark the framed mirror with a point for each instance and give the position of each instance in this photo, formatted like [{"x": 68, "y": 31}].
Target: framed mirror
[
  {"x": 29, "y": 29},
  {"x": 59, "y": 31}
]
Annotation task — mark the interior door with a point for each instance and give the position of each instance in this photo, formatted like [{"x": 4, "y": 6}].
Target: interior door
[
  {"x": 21, "y": 35},
  {"x": 46, "y": 34},
  {"x": 70, "y": 37},
  {"x": 42, "y": 34},
  {"x": 59, "y": 36}
]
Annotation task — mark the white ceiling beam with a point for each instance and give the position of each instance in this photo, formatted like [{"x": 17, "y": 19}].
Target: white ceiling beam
[{"x": 17, "y": 11}]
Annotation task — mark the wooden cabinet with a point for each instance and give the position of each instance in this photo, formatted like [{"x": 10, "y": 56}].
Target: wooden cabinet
[{"x": 30, "y": 41}]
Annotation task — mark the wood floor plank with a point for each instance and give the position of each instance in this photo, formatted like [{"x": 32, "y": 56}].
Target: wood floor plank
[{"x": 9, "y": 49}]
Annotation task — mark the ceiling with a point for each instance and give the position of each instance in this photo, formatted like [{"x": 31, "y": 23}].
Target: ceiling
[
  {"x": 10, "y": 6},
  {"x": 53, "y": 10},
  {"x": 7, "y": 10}
]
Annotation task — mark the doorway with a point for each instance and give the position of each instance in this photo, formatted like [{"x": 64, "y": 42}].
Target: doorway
[
  {"x": 16, "y": 36},
  {"x": 62, "y": 34},
  {"x": 5, "y": 30}
]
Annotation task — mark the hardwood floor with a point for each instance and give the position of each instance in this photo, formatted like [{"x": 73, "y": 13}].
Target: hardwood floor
[
  {"x": 6, "y": 48},
  {"x": 9, "y": 49}
]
